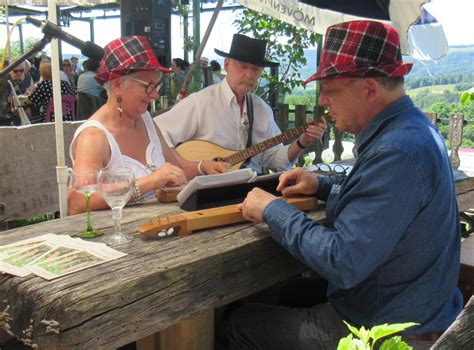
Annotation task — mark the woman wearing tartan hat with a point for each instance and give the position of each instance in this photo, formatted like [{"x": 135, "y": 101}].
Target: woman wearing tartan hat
[
  {"x": 390, "y": 249},
  {"x": 122, "y": 132}
]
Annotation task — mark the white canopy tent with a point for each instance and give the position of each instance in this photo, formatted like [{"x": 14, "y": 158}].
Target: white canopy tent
[{"x": 424, "y": 41}]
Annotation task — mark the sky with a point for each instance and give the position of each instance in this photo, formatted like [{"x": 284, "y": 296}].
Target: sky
[{"x": 455, "y": 15}]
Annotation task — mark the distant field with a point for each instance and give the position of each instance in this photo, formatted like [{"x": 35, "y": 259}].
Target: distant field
[{"x": 434, "y": 89}]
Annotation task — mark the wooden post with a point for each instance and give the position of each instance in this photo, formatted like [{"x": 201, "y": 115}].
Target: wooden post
[
  {"x": 194, "y": 333},
  {"x": 318, "y": 112},
  {"x": 455, "y": 130},
  {"x": 432, "y": 116},
  {"x": 282, "y": 117},
  {"x": 300, "y": 119},
  {"x": 337, "y": 148}
]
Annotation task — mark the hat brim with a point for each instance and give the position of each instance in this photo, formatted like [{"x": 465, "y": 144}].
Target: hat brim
[
  {"x": 121, "y": 71},
  {"x": 247, "y": 59},
  {"x": 334, "y": 72}
]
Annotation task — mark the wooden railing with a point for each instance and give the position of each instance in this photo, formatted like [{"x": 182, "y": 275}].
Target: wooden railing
[{"x": 301, "y": 113}]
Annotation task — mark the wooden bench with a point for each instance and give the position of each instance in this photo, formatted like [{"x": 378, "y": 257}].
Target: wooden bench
[
  {"x": 28, "y": 184},
  {"x": 466, "y": 274}
]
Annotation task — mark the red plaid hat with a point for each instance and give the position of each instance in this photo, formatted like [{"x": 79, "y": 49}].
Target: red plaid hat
[
  {"x": 125, "y": 56},
  {"x": 360, "y": 49}
]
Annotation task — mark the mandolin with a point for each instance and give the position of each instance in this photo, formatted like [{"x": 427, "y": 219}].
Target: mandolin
[
  {"x": 185, "y": 223},
  {"x": 200, "y": 149}
]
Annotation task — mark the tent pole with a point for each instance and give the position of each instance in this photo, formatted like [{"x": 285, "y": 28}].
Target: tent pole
[
  {"x": 184, "y": 89},
  {"x": 61, "y": 169}
]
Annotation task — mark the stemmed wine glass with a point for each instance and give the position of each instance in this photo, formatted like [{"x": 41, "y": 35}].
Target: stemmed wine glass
[
  {"x": 116, "y": 187},
  {"x": 86, "y": 183}
]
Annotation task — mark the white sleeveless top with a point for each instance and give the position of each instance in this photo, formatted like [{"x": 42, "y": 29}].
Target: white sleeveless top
[{"x": 154, "y": 152}]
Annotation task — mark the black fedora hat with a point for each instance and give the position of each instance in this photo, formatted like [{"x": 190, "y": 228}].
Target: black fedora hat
[{"x": 248, "y": 50}]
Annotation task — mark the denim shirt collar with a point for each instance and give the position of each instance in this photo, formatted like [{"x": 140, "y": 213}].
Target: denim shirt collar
[{"x": 382, "y": 119}]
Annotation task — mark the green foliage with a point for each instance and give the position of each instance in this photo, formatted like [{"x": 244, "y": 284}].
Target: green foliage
[
  {"x": 183, "y": 10},
  {"x": 366, "y": 338},
  {"x": 24, "y": 222},
  {"x": 15, "y": 47},
  {"x": 286, "y": 45},
  {"x": 466, "y": 98}
]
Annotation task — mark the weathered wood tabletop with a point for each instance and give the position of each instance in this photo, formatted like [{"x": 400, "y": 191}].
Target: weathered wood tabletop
[{"x": 158, "y": 283}]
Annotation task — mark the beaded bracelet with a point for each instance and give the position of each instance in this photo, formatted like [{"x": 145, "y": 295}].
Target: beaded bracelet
[
  {"x": 299, "y": 144},
  {"x": 199, "y": 168},
  {"x": 137, "y": 193}
]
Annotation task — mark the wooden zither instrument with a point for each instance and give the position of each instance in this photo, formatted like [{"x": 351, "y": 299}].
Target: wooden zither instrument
[{"x": 185, "y": 223}]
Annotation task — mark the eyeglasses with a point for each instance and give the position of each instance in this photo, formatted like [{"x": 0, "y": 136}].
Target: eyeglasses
[
  {"x": 332, "y": 169},
  {"x": 18, "y": 70},
  {"x": 67, "y": 64},
  {"x": 149, "y": 86}
]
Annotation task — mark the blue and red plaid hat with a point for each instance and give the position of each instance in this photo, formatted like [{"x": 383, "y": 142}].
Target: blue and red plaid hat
[
  {"x": 125, "y": 56},
  {"x": 358, "y": 49}
]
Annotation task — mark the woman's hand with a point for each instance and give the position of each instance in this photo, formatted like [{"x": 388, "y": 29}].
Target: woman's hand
[
  {"x": 209, "y": 167},
  {"x": 167, "y": 175},
  {"x": 297, "y": 181}
]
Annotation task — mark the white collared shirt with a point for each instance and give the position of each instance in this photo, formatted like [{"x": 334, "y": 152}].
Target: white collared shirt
[{"x": 213, "y": 114}]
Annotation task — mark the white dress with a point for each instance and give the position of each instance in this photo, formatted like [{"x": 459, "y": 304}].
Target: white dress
[{"x": 154, "y": 152}]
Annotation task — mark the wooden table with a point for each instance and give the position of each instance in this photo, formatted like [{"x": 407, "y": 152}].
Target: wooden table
[{"x": 158, "y": 283}]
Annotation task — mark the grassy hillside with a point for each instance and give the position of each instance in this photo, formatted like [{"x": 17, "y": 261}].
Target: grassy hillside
[{"x": 435, "y": 89}]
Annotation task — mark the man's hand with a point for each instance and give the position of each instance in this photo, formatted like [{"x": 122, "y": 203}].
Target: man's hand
[
  {"x": 314, "y": 132},
  {"x": 255, "y": 203},
  {"x": 297, "y": 181}
]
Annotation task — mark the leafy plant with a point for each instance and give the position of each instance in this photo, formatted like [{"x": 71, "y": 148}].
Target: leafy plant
[
  {"x": 366, "y": 338},
  {"x": 466, "y": 98}
]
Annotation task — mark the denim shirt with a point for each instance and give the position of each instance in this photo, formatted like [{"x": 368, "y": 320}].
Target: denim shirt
[{"x": 391, "y": 248}]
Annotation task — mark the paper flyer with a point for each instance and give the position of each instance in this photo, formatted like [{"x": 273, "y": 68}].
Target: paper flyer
[{"x": 51, "y": 256}]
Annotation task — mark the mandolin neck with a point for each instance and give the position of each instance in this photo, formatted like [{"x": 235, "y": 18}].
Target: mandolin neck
[{"x": 247, "y": 153}]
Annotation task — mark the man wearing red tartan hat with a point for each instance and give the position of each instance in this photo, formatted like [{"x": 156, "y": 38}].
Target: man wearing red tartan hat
[{"x": 390, "y": 249}]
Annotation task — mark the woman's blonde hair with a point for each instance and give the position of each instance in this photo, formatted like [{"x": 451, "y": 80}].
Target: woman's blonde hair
[{"x": 46, "y": 71}]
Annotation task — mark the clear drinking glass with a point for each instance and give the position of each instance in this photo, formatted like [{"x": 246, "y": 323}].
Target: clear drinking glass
[
  {"x": 86, "y": 183},
  {"x": 116, "y": 187}
]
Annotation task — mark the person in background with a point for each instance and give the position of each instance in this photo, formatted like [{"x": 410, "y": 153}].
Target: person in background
[
  {"x": 220, "y": 112},
  {"x": 217, "y": 76},
  {"x": 87, "y": 83},
  {"x": 43, "y": 93},
  {"x": 21, "y": 79},
  {"x": 76, "y": 67},
  {"x": 67, "y": 69},
  {"x": 122, "y": 132},
  {"x": 178, "y": 74},
  {"x": 34, "y": 69},
  {"x": 390, "y": 249}
]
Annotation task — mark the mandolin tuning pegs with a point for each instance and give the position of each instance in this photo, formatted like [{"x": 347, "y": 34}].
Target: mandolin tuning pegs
[{"x": 172, "y": 231}]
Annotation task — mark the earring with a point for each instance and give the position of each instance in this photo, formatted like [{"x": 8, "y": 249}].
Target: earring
[{"x": 119, "y": 107}]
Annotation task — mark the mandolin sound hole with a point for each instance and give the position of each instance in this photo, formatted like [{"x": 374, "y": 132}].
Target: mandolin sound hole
[{"x": 219, "y": 159}]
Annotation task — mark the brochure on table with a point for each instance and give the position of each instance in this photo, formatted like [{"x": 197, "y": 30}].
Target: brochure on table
[{"x": 51, "y": 256}]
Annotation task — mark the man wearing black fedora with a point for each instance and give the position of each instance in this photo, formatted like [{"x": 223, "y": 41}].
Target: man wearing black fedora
[
  {"x": 229, "y": 115},
  {"x": 390, "y": 246}
]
